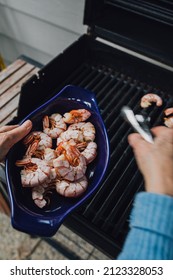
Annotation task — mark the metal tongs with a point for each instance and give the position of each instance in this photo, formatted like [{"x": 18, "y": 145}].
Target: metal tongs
[{"x": 138, "y": 122}]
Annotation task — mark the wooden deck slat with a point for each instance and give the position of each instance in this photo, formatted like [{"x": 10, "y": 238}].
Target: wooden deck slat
[
  {"x": 9, "y": 108},
  {"x": 11, "y": 69},
  {"x": 7, "y": 83},
  {"x": 9, "y": 118},
  {"x": 15, "y": 89},
  {"x": 11, "y": 80}
]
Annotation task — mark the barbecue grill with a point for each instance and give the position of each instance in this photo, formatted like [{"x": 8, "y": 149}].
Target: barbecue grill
[{"x": 103, "y": 61}]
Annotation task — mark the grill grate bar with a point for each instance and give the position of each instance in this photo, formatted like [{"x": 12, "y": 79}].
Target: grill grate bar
[
  {"x": 126, "y": 197},
  {"x": 107, "y": 87},
  {"x": 79, "y": 76},
  {"x": 76, "y": 76},
  {"x": 129, "y": 97},
  {"x": 115, "y": 193},
  {"x": 89, "y": 78},
  {"x": 106, "y": 79},
  {"x": 108, "y": 183},
  {"x": 95, "y": 81},
  {"x": 119, "y": 83},
  {"x": 116, "y": 223}
]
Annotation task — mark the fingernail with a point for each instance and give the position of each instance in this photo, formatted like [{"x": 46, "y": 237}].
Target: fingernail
[{"x": 28, "y": 124}]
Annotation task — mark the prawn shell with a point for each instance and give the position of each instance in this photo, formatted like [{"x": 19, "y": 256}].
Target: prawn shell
[
  {"x": 34, "y": 176},
  {"x": 169, "y": 121},
  {"x": 149, "y": 98},
  {"x": 72, "y": 189},
  {"x": 76, "y": 116},
  {"x": 168, "y": 111}
]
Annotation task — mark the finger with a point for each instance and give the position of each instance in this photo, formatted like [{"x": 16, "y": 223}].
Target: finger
[
  {"x": 164, "y": 133},
  {"x": 134, "y": 138},
  {"x": 139, "y": 145},
  {"x": 159, "y": 130},
  {"x": 7, "y": 128},
  {"x": 16, "y": 134}
]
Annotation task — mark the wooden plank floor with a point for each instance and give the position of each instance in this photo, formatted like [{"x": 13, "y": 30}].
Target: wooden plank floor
[{"x": 11, "y": 80}]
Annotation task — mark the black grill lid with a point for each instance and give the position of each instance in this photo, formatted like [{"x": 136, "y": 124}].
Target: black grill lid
[{"x": 143, "y": 26}]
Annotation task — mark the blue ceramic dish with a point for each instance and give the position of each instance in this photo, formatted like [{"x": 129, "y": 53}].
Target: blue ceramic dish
[{"x": 25, "y": 215}]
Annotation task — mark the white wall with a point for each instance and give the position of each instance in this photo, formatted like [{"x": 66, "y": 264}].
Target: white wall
[{"x": 40, "y": 29}]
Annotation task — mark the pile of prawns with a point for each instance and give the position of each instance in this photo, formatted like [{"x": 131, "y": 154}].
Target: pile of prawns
[{"x": 62, "y": 168}]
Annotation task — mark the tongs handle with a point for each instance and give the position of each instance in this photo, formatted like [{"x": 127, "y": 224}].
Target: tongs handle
[{"x": 144, "y": 131}]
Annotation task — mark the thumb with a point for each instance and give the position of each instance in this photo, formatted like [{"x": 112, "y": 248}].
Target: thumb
[
  {"x": 11, "y": 137},
  {"x": 16, "y": 134}
]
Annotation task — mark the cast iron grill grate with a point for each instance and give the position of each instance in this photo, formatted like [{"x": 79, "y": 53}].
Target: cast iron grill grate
[{"x": 108, "y": 210}]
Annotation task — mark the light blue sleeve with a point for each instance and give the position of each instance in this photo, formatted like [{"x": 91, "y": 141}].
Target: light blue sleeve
[{"x": 151, "y": 229}]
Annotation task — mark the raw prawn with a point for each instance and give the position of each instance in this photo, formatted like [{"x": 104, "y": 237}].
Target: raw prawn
[
  {"x": 49, "y": 155},
  {"x": 90, "y": 152},
  {"x": 40, "y": 195},
  {"x": 76, "y": 135},
  {"x": 35, "y": 172},
  {"x": 54, "y": 125},
  {"x": 66, "y": 171},
  {"x": 149, "y": 98},
  {"x": 71, "y": 164},
  {"x": 168, "y": 111},
  {"x": 68, "y": 148},
  {"x": 31, "y": 150},
  {"x": 168, "y": 121},
  {"x": 75, "y": 116},
  {"x": 38, "y": 141},
  {"x": 87, "y": 129},
  {"x": 62, "y": 168},
  {"x": 79, "y": 132},
  {"x": 72, "y": 189}
]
